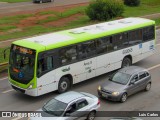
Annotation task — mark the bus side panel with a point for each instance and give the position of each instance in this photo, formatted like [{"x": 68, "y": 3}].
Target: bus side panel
[
  {"x": 148, "y": 48},
  {"x": 46, "y": 83}
]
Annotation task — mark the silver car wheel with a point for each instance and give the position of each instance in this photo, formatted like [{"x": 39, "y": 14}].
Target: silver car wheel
[
  {"x": 91, "y": 116},
  {"x": 124, "y": 97},
  {"x": 148, "y": 87}
]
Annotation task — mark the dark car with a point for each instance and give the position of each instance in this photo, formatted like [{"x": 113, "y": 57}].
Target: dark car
[
  {"x": 124, "y": 83},
  {"x": 42, "y": 1}
]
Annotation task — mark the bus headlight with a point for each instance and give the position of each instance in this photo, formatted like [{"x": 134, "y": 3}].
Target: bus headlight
[
  {"x": 30, "y": 86},
  {"x": 115, "y": 93},
  {"x": 99, "y": 88}
]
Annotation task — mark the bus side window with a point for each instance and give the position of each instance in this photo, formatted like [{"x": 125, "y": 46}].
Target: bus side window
[
  {"x": 45, "y": 64},
  {"x": 102, "y": 45},
  {"x": 86, "y": 49},
  {"x": 148, "y": 33},
  {"x": 68, "y": 54},
  {"x": 135, "y": 37}
]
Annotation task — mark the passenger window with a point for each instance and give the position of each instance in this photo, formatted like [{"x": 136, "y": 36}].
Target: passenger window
[
  {"x": 86, "y": 49},
  {"x": 147, "y": 74},
  {"x": 120, "y": 40},
  {"x": 45, "y": 64},
  {"x": 82, "y": 104},
  {"x": 148, "y": 33},
  {"x": 72, "y": 108},
  {"x": 102, "y": 44},
  {"x": 135, "y": 78},
  {"x": 135, "y": 37},
  {"x": 68, "y": 54},
  {"x": 142, "y": 75}
]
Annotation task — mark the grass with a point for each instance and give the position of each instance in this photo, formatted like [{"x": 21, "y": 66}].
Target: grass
[
  {"x": 157, "y": 20},
  {"x": 2, "y": 60},
  {"x": 14, "y": 1},
  {"x": 7, "y": 28},
  {"x": 13, "y": 19},
  {"x": 60, "y": 15}
]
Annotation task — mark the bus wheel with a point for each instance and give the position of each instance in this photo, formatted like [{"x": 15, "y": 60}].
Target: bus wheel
[
  {"x": 64, "y": 85},
  {"x": 126, "y": 62}
]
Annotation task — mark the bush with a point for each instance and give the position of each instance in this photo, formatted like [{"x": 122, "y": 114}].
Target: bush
[
  {"x": 132, "y": 2},
  {"x": 104, "y": 9}
]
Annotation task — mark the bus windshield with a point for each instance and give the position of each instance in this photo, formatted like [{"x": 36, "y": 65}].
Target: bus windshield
[{"x": 21, "y": 64}]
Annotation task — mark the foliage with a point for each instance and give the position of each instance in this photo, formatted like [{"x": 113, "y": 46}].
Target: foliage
[{"x": 104, "y": 9}]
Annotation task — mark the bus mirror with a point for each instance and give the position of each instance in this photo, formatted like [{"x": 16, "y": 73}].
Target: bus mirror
[{"x": 4, "y": 52}]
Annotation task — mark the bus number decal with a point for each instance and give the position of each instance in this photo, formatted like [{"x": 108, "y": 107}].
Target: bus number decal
[{"x": 127, "y": 51}]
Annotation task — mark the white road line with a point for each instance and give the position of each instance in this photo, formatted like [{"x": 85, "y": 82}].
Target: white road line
[
  {"x": 17, "y": 118},
  {"x": 154, "y": 67},
  {"x": 157, "y": 44},
  {"x": 3, "y": 78},
  {"x": 7, "y": 91}
]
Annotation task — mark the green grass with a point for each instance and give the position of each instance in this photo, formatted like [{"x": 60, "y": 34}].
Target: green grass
[
  {"x": 157, "y": 20},
  {"x": 147, "y": 7},
  {"x": 2, "y": 60},
  {"x": 14, "y": 1},
  {"x": 59, "y": 15},
  {"x": 13, "y": 19},
  {"x": 7, "y": 28}
]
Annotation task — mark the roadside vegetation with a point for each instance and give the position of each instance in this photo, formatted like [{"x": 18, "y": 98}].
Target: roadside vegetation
[
  {"x": 18, "y": 26},
  {"x": 14, "y": 1}
]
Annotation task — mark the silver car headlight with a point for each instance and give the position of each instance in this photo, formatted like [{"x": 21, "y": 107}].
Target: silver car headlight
[{"x": 115, "y": 93}]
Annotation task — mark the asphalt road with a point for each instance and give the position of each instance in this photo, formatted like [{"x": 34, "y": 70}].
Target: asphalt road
[
  {"x": 29, "y": 6},
  {"x": 11, "y": 100}
]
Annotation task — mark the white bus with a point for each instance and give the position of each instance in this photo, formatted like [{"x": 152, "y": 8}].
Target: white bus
[{"x": 58, "y": 60}]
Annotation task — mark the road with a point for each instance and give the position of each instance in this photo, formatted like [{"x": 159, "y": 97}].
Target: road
[
  {"x": 143, "y": 101},
  {"x": 6, "y": 8}
]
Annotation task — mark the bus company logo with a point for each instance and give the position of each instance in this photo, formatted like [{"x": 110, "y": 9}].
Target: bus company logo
[
  {"x": 66, "y": 69},
  {"x": 127, "y": 51},
  {"x": 151, "y": 46}
]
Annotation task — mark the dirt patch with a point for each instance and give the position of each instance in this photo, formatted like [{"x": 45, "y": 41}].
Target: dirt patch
[
  {"x": 31, "y": 21},
  {"x": 63, "y": 21},
  {"x": 58, "y": 9}
]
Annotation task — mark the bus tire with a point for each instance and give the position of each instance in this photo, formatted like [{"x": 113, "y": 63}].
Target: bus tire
[
  {"x": 64, "y": 84},
  {"x": 126, "y": 62}
]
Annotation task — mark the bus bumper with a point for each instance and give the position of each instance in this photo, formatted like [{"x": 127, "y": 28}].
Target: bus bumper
[{"x": 30, "y": 92}]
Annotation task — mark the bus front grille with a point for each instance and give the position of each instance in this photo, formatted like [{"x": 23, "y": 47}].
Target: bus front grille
[{"x": 18, "y": 89}]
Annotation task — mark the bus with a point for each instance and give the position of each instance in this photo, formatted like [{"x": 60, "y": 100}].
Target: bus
[{"x": 56, "y": 61}]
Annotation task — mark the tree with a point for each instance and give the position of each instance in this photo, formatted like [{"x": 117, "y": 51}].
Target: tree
[{"x": 104, "y": 9}]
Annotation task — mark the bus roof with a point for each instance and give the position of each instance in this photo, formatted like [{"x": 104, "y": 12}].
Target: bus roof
[{"x": 72, "y": 36}]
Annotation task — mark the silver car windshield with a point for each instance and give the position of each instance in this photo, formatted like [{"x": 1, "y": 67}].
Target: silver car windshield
[
  {"x": 121, "y": 78},
  {"x": 54, "y": 107}
]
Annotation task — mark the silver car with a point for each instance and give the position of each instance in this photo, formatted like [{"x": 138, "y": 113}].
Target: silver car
[
  {"x": 70, "y": 105},
  {"x": 124, "y": 83}
]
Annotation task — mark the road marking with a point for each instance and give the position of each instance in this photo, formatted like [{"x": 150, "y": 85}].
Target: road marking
[
  {"x": 157, "y": 44},
  {"x": 17, "y": 118},
  {"x": 154, "y": 67},
  {"x": 11, "y": 7},
  {"x": 4, "y": 78},
  {"x": 7, "y": 91}
]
